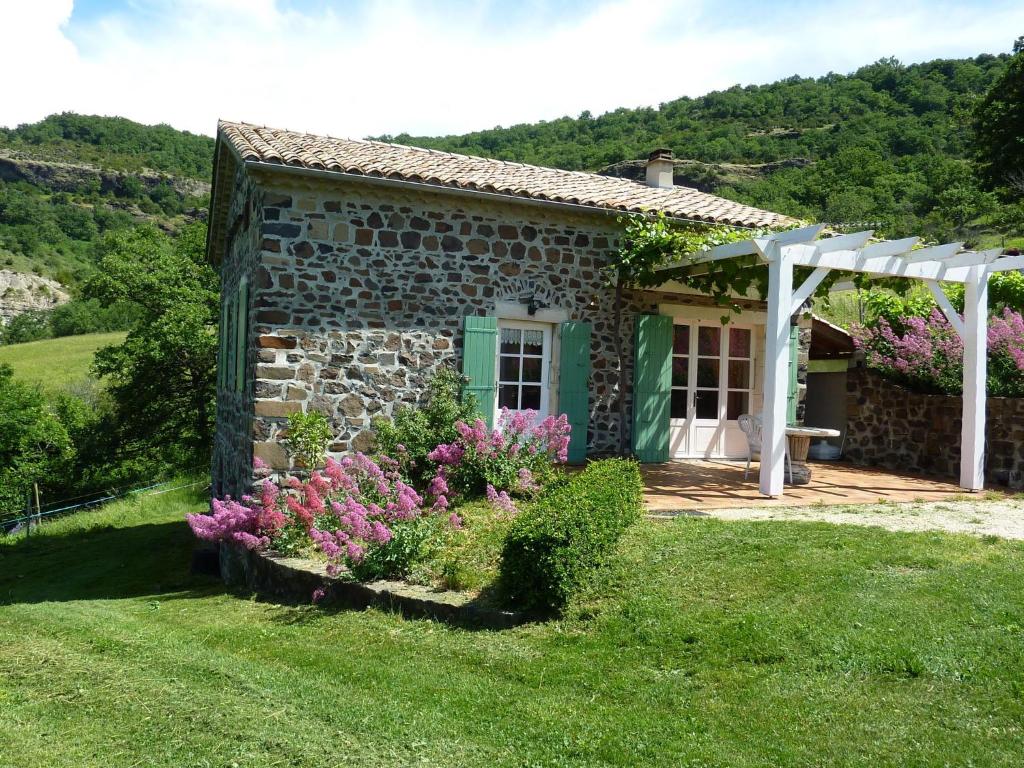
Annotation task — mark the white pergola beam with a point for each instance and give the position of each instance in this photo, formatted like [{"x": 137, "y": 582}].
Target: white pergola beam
[
  {"x": 889, "y": 248},
  {"x": 768, "y": 246},
  {"x": 947, "y": 308},
  {"x": 972, "y": 437},
  {"x": 1006, "y": 264},
  {"x": 719, "y": 252},
  {"x": 749, "y": 247},
  {"x": 850, "y": 242},
  {"x": 810, "y": 285},
  {"x": 934, "y": 253},
  {"x": 973, "y": 258},
  {"x": 888, "y": 266},
  {"x": 776, "y": 370}
]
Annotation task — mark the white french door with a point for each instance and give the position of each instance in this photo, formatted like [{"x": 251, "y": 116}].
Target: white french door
[
  {"x": 712, "y": 384},
  {"x": 523, "y": 367}
]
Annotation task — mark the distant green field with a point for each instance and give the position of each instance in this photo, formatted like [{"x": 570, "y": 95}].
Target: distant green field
[{"x": 56, "y": 363}]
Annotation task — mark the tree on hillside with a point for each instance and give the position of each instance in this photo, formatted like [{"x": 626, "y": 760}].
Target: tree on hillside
[
  {"x": 163, "y": 377},
  {"x": 34, "y": 445},
  {"x": 999, "y": 126}
]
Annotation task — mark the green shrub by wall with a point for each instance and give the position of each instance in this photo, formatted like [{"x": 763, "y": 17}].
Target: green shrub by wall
[{"x": 557, "y": 542}]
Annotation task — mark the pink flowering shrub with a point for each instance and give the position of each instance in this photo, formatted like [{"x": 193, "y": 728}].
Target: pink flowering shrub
[
  {"x": 378, "y": 518},
  {"x": 240, "y": 522},
  {"x": 501, "y": 501},
  {"x": 517, "y": 457},
  {"x": 357, "y": 511},
  {"x": 927, "y": 353},
  {"x": 1006, "y": 354}
]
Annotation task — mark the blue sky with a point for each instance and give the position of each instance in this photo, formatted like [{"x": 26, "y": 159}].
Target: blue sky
[{"x": 356, "y": 68}]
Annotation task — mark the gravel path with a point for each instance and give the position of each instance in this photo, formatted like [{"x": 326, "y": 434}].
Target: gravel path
[{"x": 1002, "y": 517}]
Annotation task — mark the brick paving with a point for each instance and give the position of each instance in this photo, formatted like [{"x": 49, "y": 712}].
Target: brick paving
[{"x": 701, "y": 485}]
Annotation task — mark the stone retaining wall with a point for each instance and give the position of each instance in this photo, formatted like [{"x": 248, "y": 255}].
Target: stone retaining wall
[
  {"x": 891, "y": 427},
  {"x": 294, "y": 580}
]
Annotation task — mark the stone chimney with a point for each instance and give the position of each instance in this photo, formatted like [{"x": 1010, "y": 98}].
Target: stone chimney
[{"x": 660, "y": 168}]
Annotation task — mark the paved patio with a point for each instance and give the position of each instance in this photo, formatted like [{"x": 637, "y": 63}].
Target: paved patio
[{"x": 700, "y": 485}]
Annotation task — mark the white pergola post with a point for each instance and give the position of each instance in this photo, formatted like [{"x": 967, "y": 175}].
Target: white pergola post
[
  {"x": 776, "y": 370},
  {"x": 972, "y": 436}
]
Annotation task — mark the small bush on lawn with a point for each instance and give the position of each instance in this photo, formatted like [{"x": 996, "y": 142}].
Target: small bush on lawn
[{"x": 555, "y": 543}]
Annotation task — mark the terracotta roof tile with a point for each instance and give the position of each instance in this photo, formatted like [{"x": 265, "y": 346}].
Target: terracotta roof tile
[{"x": 445, "y": 169}]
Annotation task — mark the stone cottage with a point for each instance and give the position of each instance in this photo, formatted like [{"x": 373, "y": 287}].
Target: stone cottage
[{"x": 351, "y": 270}]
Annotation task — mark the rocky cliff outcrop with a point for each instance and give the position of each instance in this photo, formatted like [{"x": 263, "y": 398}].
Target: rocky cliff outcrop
[
  {"x": 73, "y": 177},
  {"x": 20, "y": 292}
]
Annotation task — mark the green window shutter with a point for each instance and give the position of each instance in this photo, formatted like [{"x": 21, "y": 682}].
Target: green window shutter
[
  {"x": 794, "y": 351},
  {"x": 479, "y": 359},
  {"x": 222, "y": 347},
  {"x": 242, "y": 333},
  {"x": 574, "y": 385},
  {"x": 652, "y": 387},
  {"x": 229, "y": 343}
]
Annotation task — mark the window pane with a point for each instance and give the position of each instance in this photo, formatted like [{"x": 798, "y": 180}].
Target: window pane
[
  {"x": 739, "y": 374},
  {"x": 707, "y": 373},
  {"x": 739, "y": 342},
  {"x": 531, "y": 369},
  {"x": 508, "y": 369},
  {"x": 678, "y": 404},
  {"x": 510, "y": 338},
  {"x": 508, "y": 396},
  {"x": 736, "y": 404},
  {"x": 680, "y": 371},
  {"x": 531, "y": 398},
  {"x": 709, "y": 340},
  {"x": 533, "y": 342},
  {"x": 681, "y": 339},
  {"x": 707, "y": 404}
]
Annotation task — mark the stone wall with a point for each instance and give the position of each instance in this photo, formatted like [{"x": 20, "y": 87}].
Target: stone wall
[
  {"x": 232, "y": 442},
  {"x": 802, "y": 364},
  {"x": 891, "y": 427},
  {"x": 358, "y": 294},
  {"x": 361, "y": 295}
]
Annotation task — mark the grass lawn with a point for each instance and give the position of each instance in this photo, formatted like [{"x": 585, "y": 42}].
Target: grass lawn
[
  {"x": 712, "y": 643},
  {"x": 56, "y": 363}
]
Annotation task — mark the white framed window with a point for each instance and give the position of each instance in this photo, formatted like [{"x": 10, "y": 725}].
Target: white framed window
[
  {"x": 712, "y": 371},
  {"x": 739, "y": 373},
  {"x": 523, "y": 367}
]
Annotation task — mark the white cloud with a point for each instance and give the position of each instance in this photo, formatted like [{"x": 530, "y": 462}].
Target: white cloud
[{"x": 427, "y": 68}]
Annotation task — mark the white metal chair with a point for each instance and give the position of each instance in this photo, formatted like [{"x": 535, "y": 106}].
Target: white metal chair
[{"x": 750, "y": 425}]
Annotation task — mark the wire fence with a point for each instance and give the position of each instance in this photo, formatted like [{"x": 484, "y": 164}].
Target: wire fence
[{"x": 60, "y": 507}]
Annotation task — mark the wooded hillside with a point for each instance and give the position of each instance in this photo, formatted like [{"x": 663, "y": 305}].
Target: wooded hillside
[
  {"x": 68, "y": 180},
  {"x": 888, "y": 145}
]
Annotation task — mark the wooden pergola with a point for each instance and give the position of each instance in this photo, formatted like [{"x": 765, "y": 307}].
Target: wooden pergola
[{"x": 854, "y": 253}]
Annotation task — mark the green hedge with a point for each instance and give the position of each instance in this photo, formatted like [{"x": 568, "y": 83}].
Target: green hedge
[{"x": 555, "y": 543}]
